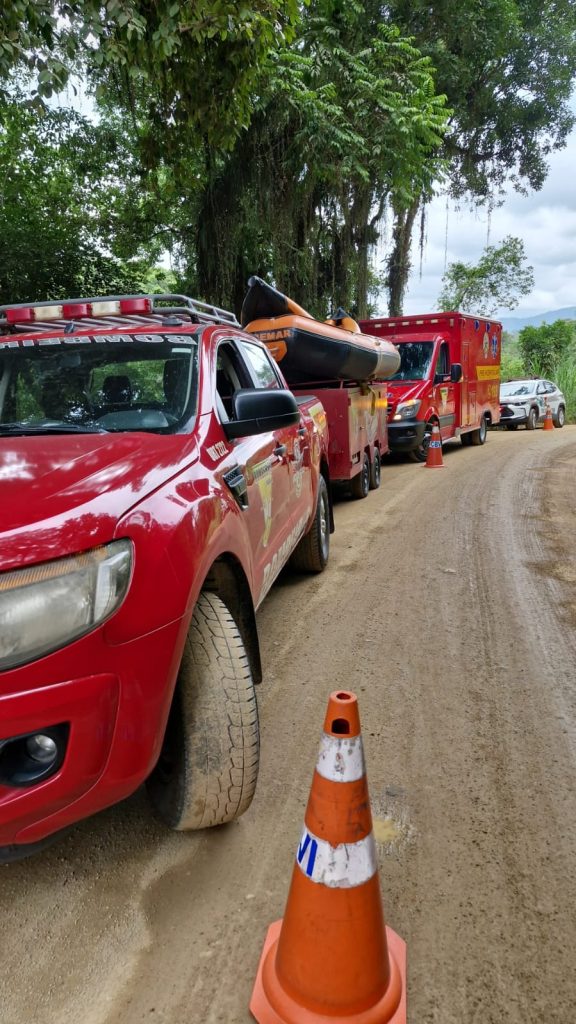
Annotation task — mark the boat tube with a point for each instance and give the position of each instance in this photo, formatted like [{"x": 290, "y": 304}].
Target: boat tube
[{"x": 309, "y": 350}]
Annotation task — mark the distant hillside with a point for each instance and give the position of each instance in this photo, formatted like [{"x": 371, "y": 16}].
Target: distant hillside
[{"x": 516, "y": 323}]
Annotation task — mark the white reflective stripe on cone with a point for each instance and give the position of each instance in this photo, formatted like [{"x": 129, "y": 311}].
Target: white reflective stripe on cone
[
  {"x": 338, "y": 867},
  {"x": 341, "y": 758}
]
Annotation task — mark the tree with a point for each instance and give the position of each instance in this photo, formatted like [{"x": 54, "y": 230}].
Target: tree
[
  {"x": 61, "y": 179},
  {"x": 543, "y": 347},
  {"x": 507, "y": 69},
  {"x": 344, "y": 120},
  {"x": 199, "y": 62},
  {"x": 497, "y": 281}
]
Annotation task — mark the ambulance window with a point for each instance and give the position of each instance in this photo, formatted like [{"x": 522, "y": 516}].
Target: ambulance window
[{"x": 443, "y": 365}]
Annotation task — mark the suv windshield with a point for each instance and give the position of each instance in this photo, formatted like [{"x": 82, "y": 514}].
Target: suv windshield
[
  {"x": 517, "y": 387},
  {"x": 98, "y": 383},
  {"x": 415, "y": 359}
]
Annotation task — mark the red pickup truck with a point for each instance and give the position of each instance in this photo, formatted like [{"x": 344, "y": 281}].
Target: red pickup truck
[{"x": 156, "y": 477}]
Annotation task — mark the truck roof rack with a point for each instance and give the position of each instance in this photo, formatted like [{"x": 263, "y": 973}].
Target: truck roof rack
[{"x": 109, "y": 311}]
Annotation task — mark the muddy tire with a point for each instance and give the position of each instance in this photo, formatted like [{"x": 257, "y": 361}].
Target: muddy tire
[
  {"x": 313, "y": 550},
  {"x": 360, "y": 484},
  {"x": 208, "y": 766},
  {"x": 375, "y": 471}
]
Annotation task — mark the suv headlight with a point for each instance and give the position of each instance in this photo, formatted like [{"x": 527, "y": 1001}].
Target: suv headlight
[
  {"x": 407, "y": 410},
  {"x": 46, "y": 606}
]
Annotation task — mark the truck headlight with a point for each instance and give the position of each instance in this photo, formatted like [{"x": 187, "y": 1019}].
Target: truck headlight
[
  {"x": 407, "y": 410},
  {"x": 46, "y": 606}
]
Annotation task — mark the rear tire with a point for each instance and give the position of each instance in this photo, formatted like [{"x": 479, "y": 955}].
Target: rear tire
[
  {"x": 360, "y": 484},
  {"x": 312, "y": 552},
  {"x": 207, "y": 771},
  {"x": 375, "y": 471},
  {"x": 478, "y": 437},
  {"x": 560, "y": 418}
]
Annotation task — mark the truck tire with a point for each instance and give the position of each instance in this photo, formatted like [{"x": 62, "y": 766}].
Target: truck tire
[
  {"x": 311, "y": 554},
  {"x": 479, "y": 436},
  {"x": 375, "y": 471},
  {"x": 420, "y": 454},
  {"x": 532, "y": 421},
  {"x": 360, "y": 484},
  {"x": 208, "y": 766},
  {"x": 466, "y": 439}
]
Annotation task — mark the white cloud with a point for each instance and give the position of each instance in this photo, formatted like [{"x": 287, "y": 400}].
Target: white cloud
[{"x": 545, "y": 221}]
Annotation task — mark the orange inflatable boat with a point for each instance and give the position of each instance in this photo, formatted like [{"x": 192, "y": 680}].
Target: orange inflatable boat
[{"x": 308, "y": 350}]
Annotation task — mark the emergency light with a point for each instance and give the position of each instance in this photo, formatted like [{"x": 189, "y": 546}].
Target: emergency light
[{"x": 43, "y": 312}]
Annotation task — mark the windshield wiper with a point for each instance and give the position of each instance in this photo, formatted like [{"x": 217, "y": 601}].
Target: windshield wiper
[{"x": 22, "y": 429}]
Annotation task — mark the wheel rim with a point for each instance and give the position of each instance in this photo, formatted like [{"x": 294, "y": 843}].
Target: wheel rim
[
  {"x": 483, "y": 429},
  {"x": 366, "y": 475}
]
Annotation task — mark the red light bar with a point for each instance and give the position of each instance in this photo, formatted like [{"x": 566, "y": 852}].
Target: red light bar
[
  {"x": 75, "y": 311},
  {"x": 16, "y": 316},
  {"x": 135, "y": 305}
]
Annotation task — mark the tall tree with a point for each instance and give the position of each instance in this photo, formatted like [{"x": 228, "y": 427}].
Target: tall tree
[
  {"x": 498, "y": 280},
  {"x": 199, "y": 62},
  {"x": 506, "y": 68}
]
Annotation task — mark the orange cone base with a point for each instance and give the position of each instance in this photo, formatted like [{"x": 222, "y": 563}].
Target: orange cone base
[
  {"x": 548, "y": 423},
  {"x": 271, "y": 1004}
]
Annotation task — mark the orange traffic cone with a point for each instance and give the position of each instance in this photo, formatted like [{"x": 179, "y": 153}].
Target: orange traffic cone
[
  {"x": 434, "y": 453},
  {"x": 332, "y": 958},
  {"x": 548, "y": 421}
]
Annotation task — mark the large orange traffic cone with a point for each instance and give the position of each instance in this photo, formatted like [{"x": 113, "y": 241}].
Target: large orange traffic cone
[
  {"x": 548, "y": 421},
  {"x": 332, "y": 958},
  {"x": 434, "y": 454}
]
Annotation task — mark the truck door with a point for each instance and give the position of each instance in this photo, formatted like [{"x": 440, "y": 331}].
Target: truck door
[
  {"x": 256, "y": 470},
  {"x": 292, "y": 499},
  {"x": 445, "y": 392}
]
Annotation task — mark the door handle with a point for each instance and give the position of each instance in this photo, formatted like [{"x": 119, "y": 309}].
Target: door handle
[{"x": 280, "y": 450}]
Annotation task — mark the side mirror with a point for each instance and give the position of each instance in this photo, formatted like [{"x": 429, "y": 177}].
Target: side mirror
[
  {"x": 257, "y": 412},
  {"x": 456, "y": 373}
]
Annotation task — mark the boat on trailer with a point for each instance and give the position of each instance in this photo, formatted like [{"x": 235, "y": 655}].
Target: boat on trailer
[{"x": 310, "y": 350}]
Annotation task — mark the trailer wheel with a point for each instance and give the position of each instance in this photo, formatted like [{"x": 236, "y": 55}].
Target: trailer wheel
[
  {"x": 311, "y": 554},
  {"x": 360, "y": 484},
  {"x": 208, "y": 766},
  {"x": 375, "y": 471},
  {"x": 479, "y": 436}
]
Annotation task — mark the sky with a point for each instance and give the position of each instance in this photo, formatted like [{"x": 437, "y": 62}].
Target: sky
[{"x": 544, "y": 220}]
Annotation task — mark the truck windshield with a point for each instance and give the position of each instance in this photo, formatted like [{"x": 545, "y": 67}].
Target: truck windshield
[
  {"x": 415, "y": 360},
  {"x": 100, "y": 383}
]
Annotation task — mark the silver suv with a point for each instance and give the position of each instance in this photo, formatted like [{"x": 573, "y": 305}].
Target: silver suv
[{"x": 525, "y": 401}]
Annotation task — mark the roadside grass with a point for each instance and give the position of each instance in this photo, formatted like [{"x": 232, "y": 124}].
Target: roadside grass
[{"x": 565, "y": 377}]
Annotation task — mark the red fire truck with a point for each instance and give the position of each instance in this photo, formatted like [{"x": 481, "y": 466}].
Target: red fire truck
[{"x": 449, "y": 375}]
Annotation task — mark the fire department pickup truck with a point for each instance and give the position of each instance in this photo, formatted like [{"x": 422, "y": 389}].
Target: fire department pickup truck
[{"x": 156, "y": 475}]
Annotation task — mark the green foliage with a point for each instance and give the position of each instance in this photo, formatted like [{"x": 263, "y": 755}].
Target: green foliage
[
  {"x": 497, "y": 281},
  {"x": 58, "y": 178},
  {"x": 512, "y": 364},
  {"x": 564, "y": 375},
  {"x": 544, "y": 347},
  {"x": 507, "y": 69}
]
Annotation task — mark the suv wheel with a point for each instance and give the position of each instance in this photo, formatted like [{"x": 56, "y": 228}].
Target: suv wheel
[
  {"x": 560, "y": 418},
  {"x": 532, "y": 420}
]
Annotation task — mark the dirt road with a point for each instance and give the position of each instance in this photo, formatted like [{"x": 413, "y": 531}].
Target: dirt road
[{"x": 449, "y": 606}]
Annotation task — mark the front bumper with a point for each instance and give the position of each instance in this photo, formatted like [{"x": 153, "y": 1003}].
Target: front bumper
[
  {"x": 513, "y": 414},
  {"x": 406, "y": 435},
  {"x": 115, "y": 713}
]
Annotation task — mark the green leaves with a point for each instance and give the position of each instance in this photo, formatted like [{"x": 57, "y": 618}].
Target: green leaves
[{"x": 497, "y": 281}]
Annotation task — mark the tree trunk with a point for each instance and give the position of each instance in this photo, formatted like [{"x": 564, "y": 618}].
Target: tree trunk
[{"x": 399, "y": 259}]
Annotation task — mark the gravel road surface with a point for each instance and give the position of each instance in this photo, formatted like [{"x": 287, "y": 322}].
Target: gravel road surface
[{"x": 449, "y": 606}]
